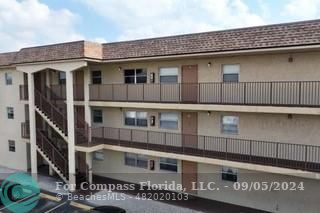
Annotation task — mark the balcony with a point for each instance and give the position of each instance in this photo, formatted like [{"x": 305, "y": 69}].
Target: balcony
[
  {"x": 24, "y": 94},
  {"x": 286, "y": 155},
  {"x": 284, "y": 93},
  {"x": 59, "y": 92},
  {"x": 25, "y": 130}
]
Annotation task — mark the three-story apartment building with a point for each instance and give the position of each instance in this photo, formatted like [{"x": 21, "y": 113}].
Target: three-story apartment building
[{"x": 225, "y": 106}]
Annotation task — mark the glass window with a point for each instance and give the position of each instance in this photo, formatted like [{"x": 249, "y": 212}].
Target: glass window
[
  {"x": 8, "y": 79},
  {"x": 97, "y": 116},
  {"x": 169, "y": 120},
  {"x": 62, "y": 78},
  {"x": 231, "y": 72},
  {"x": 10, "y": 112},
  {"x": 133, "y": 118},
  {"x": 169, "y": 75},
  {"x": 96, "y": 77},
  {"x": 136, "y": 160},
  {"x": 135, "y": 76},
  {"x": 230, "y": 124},
  {"x": 12, "y": 146},
  {"x": 169, "y": 164},
  {"x": 130, "y": 159},
  {"x": 229, "y": 174},
  {"x": 142, "y": 161},
  {"x": 98, "y": 155}
]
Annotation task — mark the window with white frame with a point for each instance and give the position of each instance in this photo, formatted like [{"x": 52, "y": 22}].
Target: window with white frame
[
  {"x": 8, "y": 78},
  {"x": 96, "y": 77},
  {"x": 229, "y": 174},
  {"x": 133, "y": 118},
  {"x": 12, "y": 146},
  {"x": 169, "y": 75},
  {"x": 169, "y": 164},
  {"x": 97, "y": 116},
  {"x": 10, "y": 112},
  {"x": 136, "y": 160},
  {"x": 98, "y": 156},
  {"x": 169, "y": 120},
  {"x": 231, "y": 72},
  {"x": 135, "y": 76},
  {"x": 230, "y": 124}
]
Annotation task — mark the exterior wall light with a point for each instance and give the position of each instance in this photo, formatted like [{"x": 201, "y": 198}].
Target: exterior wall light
[
  {"x": 119, "y": 68},
  {"x": 209, "y": 64},
  {"x": 152, "y": 120}
]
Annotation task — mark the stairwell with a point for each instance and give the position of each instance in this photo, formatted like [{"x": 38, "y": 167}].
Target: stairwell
[{"x": 55, "y": 115}]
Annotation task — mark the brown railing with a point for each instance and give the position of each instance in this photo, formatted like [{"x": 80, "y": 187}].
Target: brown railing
[
  {"x": 54, "y": 155},
  {"x": 296, "y": 156},
  {"x": 25, "y": 130},
  {"x": 281, "y": 93},
  {"x": 24, "y": 94},
  {"x": 52, "y": 111},
  {"x": 59, "y": 92}
]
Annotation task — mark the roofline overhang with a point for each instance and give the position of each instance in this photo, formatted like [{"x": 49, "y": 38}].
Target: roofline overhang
[{"x": 217, "y": 54}]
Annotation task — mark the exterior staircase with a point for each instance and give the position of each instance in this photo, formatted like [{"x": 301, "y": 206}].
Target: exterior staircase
[
  {"x": 55, "y": 115},
  {"x": 55, "y": 157}
]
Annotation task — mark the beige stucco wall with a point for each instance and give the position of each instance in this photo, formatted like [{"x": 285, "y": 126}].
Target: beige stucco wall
[
  {"x": 10, "y": 129},
  {"x": 263, "y": 67},
  {"x": 305, "y": 201},
  {"x": 118, "y": 170}
]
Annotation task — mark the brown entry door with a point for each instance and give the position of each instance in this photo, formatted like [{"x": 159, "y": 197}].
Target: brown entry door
[
  {"x": 189, "y": 176},
  {"x": 190, "y": 131},
  {"x": 190, "y": 143},
  {"x": 189, "y": 86}
]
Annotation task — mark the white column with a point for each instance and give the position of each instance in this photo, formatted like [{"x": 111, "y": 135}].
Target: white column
[
  {"x": 87, "y": 110},
  {"x": 71, "y": 131},
  {"x": 89, "y": 165},
  {"x": 33, "y": 131}
]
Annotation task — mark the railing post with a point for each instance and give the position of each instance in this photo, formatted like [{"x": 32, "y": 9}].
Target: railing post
[
  {"x": 204, "y": 146},
  {"x": 245, "y": 93},
  {"x": 250, "y": 151},
  {"x": 277, "y": 154},
  {"x": 221, "y": 92},
  {"x": 300, "y": 93},
  {"x": 306, "y": 157},
  {"x": 271, "y": 92}
]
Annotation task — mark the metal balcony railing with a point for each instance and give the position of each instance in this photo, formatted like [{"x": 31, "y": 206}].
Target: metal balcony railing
[
  {"x": 287, "y": 155},
  {"x": 59, "y": 92},
  {"x": 281, "y": 93}
]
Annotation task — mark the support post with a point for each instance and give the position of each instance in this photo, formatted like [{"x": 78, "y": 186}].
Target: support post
[
  {"x": 32, "y": 120},
  {"x": 87, "y": 110},
  {"x": 71, "y": 130},
  {"x": 89, "y": 166}
]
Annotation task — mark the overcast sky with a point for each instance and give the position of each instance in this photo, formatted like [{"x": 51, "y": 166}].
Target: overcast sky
[{"x": 35, "y": 22}]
